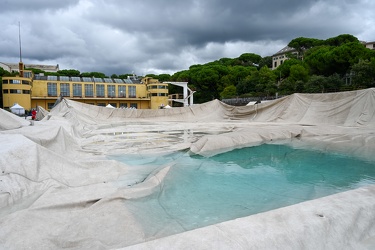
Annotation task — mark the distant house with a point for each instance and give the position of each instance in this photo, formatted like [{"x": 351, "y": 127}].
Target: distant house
[
  {"x": 282, "y": 55},
  {"x": 14, "y": 67},
  {"x": 369, "y": 45},
  {"x": 279, "y": 57}
]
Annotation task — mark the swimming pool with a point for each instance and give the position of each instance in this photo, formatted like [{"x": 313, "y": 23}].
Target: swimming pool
[{"x": 200, "y": 191}]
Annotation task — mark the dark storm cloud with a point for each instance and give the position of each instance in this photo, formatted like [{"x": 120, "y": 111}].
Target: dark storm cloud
[
  {"x": 199, "y": 22},
  {"x": 121, "y": 36},
  {"x": 34, "y": 5}
]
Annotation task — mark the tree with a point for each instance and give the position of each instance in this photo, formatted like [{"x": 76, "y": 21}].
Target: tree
[
  {"x": 364, "y": 73},
  {"x": 164, "y": 77},
  {"x": 4, "y": 72},
  {"x": 181, "y": 76},
  {"x": 124, "y": 76},
  {"x": 68, "y": 72},
  {"x": 36, "y": 71},
  {"x": 316, "y": 84},
  {"x": 283, "y": 71},
  {"x": 298, "y": 73},
  {"x": 229, "y": 92},
  {"x": 340, "y": 40},
  {"x": 247, "y": 85},
  {"x": 302, "y": 43},
  {"x": 205, "y": 80},
  {"x": 266, "y": 81},
  {"x": 265, "y": 61},
  {"x": 249, "y": 59}
]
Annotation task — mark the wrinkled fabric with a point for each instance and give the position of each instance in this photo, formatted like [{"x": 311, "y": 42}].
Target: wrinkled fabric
[{"x": 60, "y": 188}]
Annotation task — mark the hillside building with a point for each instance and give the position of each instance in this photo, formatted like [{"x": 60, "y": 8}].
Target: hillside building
[{"x": 282, "y": 55}]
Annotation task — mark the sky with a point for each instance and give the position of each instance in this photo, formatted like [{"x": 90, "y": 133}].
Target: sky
[{"x": 168, "y": 36}]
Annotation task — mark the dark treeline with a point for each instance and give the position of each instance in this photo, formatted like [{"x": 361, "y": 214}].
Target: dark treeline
[{"x": 337, "y": 64}]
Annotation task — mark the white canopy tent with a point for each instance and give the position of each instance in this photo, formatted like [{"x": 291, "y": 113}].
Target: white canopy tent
[{"x": 17, "y": 109}]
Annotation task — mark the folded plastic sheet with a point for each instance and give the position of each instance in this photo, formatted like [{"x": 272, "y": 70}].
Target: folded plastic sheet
[
  {"x": 10, "y": 121},
  {"x": 59, "y": 189}
]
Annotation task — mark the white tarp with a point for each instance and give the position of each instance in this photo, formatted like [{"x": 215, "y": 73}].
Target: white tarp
[
  {"x": 10, "y": 121},
  {"x": 17, "y": 109},
  {"x": 59, "y": 188}
]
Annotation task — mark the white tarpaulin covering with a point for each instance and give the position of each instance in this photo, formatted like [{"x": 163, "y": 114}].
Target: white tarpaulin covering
[
  {"x": 17, "y": 109},
  {"x": 60, "y": 190}
]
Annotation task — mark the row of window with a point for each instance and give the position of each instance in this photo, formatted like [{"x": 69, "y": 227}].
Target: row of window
[
  {"x": 275, "y": 64},
  {"x": 276, "y": 58},
  {"x": 16, "y": 81},
  {"x": 157, "y": 87},
  {"x": 121, "y": 105},
  {"x": 87, "y": 79},
  {"x": 16, "y": 91},
  {"x": 89, "y": 90}
]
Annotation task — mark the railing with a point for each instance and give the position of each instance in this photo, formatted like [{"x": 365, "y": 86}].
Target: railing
[{"x": 244, "y": 101}]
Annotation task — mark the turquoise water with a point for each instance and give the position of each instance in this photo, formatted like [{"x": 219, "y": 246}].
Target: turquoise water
[{"x": 201, "y": 191}]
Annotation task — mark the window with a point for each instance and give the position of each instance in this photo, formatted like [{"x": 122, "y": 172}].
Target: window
[
  {"x": 113, "y": 105},
  {"x": 111, "y": 91},
  {"x": 100, "y": 90},
  {"x": 52, "y": 89},
  {"x": 133, "y": 105},
  {"x": 158, "y": 94},
  {"x": 98, "y": 79},
  {"x": 118, "y": 80},
  {"x": 101, "y": 104},
  {"x": 76, "y": 79},
  {"x": 86, "y": 79},
  {"x": 15, "y": 81},
  {"x": 25, "y": 82},
  {"x": 52, "y": 78},
  {"x": 5, "y": 91},
  {"x": 64, "y": 89},
  {"x": 27, "y": 92},
  {"x": 275, "y": 64},
  {"x": 64, "y": 78},
  {"x": 5, "y": 81},
  {"x": 89, "y": 90},
  {"x": 77, "y": 90},
  {"x": 123, "y": 105},
  {"x": 50, "y": 105},
  {"x": 132, "y": 91},
  {"x": 162, "y": 86},
  {"x": 121, "y": 91},
  {"x": 15, "y": 91}
]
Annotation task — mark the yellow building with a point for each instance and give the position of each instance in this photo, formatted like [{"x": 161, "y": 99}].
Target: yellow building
[{"x": 30, "y": 91}]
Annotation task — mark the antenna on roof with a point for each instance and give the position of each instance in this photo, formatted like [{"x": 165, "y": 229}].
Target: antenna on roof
[
  {"x": 19, "y": 35},
  {"x": 20, "y": 65}
]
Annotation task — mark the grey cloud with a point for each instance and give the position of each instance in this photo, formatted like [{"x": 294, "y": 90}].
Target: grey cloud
[
  {"x": 120, "y": 36},
  {"x": 34, "y": 5}
]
